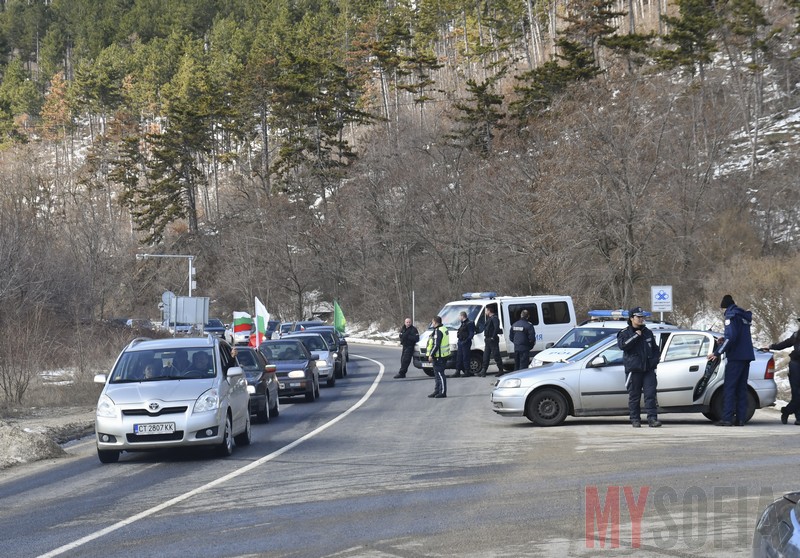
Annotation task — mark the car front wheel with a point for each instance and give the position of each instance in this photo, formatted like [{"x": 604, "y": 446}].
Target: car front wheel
[
  {"x": 547, "y": 407},
  {"x": 225, "y": 447}
]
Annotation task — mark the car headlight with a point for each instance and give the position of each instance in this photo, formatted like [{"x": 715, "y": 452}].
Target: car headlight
[
  {"x": 322, "y": 364},
  {"x": 106, "y": 407},
  {"x": 334, "y": 355},
  {"x": 510, "y": 383},
  {"x": 296, "y": 374},
  {"x": 251, "y": 389},
  {"x": 536, "y": 363},
  {"x": 209, "y": 401}
]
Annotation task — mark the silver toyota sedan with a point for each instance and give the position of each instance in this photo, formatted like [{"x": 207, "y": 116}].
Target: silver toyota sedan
[{"x": 169, "y": 393}]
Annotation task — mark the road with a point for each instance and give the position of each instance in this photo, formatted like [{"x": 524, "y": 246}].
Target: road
[{"x": 376, "y": 469}]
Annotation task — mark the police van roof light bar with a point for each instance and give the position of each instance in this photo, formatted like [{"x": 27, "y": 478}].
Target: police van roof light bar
[
  {"x": 616, "y": 314},
  {"x": 477, "y": 295}
]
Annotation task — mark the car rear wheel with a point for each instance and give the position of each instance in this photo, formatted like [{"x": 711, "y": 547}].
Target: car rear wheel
[
  {"x": 311, "y": 395},
  {"x": 276, "y": 410},
  {"x": 108, "y": 456},
  {"x": 547, "y": 407},
  {"x": 316, "y": 387},
  {"x": 339, "y": 370},
  {"x": 263, "y": 415},
  {"x": 245, "y": 437},
  {"x": 718, "y": 401},
  {"x": 331, "y": 381},
  {"x": 475, "y": 364},
  {"x": 344, "y": 367},
  {"x": 225, "y": 447}
]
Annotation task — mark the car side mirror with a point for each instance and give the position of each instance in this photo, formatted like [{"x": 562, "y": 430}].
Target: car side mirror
[
  {"x": 599, "y": 361},
  {"x": 100, "y": 378},
  {"x": 234, "y": 371},
  {"x": 270, "y": 369},
  {"x": 549, "y": 345}
]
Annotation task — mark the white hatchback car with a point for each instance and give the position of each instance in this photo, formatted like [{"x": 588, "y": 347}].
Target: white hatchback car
[{"x": 172, "y": 392}]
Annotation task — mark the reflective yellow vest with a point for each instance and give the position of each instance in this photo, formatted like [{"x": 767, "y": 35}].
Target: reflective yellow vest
[{"x": 444, "y": 347}]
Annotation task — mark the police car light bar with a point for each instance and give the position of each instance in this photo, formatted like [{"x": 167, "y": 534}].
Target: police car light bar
[
  {"x": 474, "y": 296},
  {"x": 616, "y": 314}
]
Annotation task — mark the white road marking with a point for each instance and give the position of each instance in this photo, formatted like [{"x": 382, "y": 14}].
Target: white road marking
[{"x": 164, "y": 505}]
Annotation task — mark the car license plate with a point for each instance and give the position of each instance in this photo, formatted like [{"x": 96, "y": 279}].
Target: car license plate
[
  {"x": 154, "y": 428},
  {"x": 427, "y": 365}
]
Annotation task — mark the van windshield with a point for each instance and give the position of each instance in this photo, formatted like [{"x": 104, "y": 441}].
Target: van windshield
[{"x": 450, "y": 314}]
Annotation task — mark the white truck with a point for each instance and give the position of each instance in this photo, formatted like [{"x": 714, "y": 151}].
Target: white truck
[{"x": 551, "y": 315}]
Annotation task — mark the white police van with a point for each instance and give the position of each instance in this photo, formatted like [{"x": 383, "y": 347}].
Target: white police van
[
  {"x": 600, "y": 325},
  {"x": 551, "y": 315}
]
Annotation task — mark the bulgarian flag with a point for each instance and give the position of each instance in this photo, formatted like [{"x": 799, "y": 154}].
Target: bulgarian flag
[
  {"x": 262, "y": 319},
  {"x": 242, "y": 322}
]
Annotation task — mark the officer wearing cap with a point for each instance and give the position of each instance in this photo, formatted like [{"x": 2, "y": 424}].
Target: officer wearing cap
[
  {"x": 793, "y": 408},
  {"x": 640, "y": 357}
]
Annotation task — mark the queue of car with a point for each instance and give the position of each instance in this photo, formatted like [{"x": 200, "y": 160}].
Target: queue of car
[{"x": 204, "y": 391}]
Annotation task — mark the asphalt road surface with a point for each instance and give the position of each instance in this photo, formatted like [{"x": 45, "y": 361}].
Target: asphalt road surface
[{"x": 376, "y": 469}]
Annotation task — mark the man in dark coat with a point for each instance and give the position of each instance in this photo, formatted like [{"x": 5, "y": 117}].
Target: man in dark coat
[
  {"x": 640, "y": 355},
  {"x": 737, "y": 345},
  {"x": 523, "y": 335},
  {"x": 409, "y": 335},
  {"x": 466, "y": 331},
  {"x": 793, "y": 408},
  {"x": 491, "y": 342}
]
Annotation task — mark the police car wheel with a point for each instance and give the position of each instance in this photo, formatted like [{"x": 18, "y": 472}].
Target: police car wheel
[{"x": 547, "y": 407}]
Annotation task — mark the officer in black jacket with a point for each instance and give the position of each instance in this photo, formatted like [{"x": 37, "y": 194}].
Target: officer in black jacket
[
  {"x": 640, "y": 357},
  {"x": 793, "y": 408},
  {"x": 491, "y": 342},
  {"x": 466, "y": 331},
  {"x": 523, "y": 335},
  {"x": 409, "y": 335}
]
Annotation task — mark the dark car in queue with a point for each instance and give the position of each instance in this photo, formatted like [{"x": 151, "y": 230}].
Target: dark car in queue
[
  {"x": 326, "y": 354},
  {"x": 215, "y": 327},
  {"x": 262, "y": 383},
  {"x": 332, "y": 336},
  {"x": 303, "y": 324},
  {"x": 296, "y": 369}
]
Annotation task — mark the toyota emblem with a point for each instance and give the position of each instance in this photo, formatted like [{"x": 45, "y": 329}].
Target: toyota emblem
[{"x": 153, "y": 407}]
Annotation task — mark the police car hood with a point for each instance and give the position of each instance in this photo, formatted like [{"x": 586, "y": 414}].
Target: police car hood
[
  {"x": 162, "y": 390},
  {"x": 554, "y": 354}
]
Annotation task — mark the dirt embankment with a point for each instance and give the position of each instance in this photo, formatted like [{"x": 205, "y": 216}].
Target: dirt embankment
[{"x": 35, "y": 434}]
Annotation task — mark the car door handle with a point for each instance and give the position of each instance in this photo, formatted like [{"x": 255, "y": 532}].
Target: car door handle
[{"x": 694, "y": 368}]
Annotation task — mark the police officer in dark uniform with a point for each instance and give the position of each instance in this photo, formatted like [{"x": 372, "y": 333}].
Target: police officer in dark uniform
[
  {"x": 409, "y": 335},
  {"x": 466, "y": 331},
  {"x": 491, "y": 342},
  {"x": 523, "y": 335},
  {"x": 793, "y": 408},
  {"x": 738, "y": 348},
  {"x": 640, "y": 357}
]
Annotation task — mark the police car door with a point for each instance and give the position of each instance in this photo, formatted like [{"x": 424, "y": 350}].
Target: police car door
[
  {"x": 602, "y": 382},
  {"x": 683, "y": 362}
]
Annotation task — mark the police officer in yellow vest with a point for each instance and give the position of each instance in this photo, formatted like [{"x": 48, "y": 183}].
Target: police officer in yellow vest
[{"x": 438, "y": 353}]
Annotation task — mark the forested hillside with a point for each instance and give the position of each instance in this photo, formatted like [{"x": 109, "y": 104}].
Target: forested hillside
[{"x": 366, "y": 150}]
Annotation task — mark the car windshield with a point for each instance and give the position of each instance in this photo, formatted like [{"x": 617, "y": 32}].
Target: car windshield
[
  {"x": 582, "y": 337},
  {"x": 246, "y": 359},
  {"x": 588, "y": 350},
  {"x": 164, "y": 364},
  {"x": 215, "y": 323},
  {"x": 314, "y": 343},
  {"x": 282, "y": 350},
  {"x": 451, "y": 314},
  {"x": 329, "y": 338}
]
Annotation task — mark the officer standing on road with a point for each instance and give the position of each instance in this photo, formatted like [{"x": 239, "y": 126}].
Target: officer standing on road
[
  {"x": 793, "y": 408},
  {"x": 640, "y": 357},
  {"x": 491, "y": 342},
  {"x": 738, "y": 347},
  {"x": 408, "y": 339},
  {"x": 466, "y": 331},
  {"x": 439, "y": 352},
  {"x": 523, "y": 335}
]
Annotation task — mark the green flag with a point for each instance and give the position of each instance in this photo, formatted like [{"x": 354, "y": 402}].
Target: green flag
[{"x": 338, "y": 318}]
